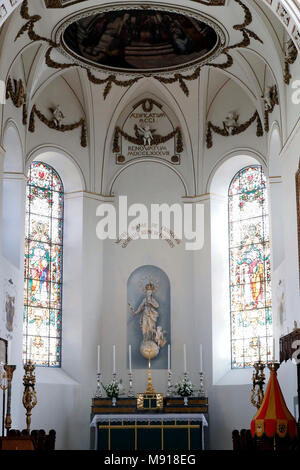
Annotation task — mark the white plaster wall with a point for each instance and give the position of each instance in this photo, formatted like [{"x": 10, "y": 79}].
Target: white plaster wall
[
  {"x": 96, "y": 273},
  {"x": 95, "y": 302},
  {"x": 12, "y": 253},
  {"x": 289, "y": 269},
  {"x": 146, "y": 183}
]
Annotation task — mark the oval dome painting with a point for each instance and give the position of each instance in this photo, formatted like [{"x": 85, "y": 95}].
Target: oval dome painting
[{"x": 140, "y": 40}]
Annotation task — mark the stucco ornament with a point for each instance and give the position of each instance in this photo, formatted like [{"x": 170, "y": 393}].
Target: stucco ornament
[
  {"x": 58, "y": 116},
  {"x": 146, "y": 134},
  {"x": 231, "y": 122}
]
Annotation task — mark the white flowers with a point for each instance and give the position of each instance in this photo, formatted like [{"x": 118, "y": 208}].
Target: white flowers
[
  {"x": 113, "y": 389},
  {"x": 184, "y": 388}
]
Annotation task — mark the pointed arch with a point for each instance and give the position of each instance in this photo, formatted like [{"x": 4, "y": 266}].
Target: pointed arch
[{"x": 159, "y": 93}]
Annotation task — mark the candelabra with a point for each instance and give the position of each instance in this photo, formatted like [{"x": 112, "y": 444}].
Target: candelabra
[
  {"x": 170, "y": 386},
  {"x": 114, "y": 380},
  {"x": 98, "y": 393},
  {"x": 29, "y": 395},
  {"x": 201, "y": 391},
  {"x": 3, "y": 378},
  {"x": 9, "y": 374},
  {"x": 130, "y": 391},
  {"x": 3, "y": 387},
  {"x": 258, "y": 380}
]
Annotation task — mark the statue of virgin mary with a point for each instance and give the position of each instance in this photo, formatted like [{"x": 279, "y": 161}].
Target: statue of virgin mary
[{"x": 153, "y": 337}]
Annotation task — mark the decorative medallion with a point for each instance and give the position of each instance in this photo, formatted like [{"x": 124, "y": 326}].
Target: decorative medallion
[
  {"x": 147, "y": 132},
  {"x": 136, "y": 39}
]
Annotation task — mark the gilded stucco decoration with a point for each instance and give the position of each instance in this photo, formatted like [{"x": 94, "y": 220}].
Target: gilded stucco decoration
[
  {"x": 247, "y": 35},
  {"x": 235, "y": 129}
]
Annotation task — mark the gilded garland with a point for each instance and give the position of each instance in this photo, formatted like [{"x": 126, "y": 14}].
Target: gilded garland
[
  {"x": 235, "y": 130},
  {"x": 291, "y": 55},
  {"x": 270, "y": 101},
  {"x": 138, "y": 135},
  {"x": 18, "y": 96},
  {"x": 156, "y": 139},
  {"x": 111, "y": 79},
  {"x": 58, "y": 127},
  {"x": 29, "y": 28},
  {"x": 247, "y": 35}
]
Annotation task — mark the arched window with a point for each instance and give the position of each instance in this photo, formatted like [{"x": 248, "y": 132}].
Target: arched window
[
  {"x": 43, "y": 266},
  {"x": 250, "y": 271}
]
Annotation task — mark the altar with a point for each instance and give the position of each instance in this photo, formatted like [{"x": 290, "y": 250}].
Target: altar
[
  {"x": 149, "y": 432},
  {"x": 124, "y": 427},
  {"x": 149, "y": 421}
]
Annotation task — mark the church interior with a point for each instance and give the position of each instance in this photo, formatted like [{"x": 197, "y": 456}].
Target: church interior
[{"x": 113, "y": 314}]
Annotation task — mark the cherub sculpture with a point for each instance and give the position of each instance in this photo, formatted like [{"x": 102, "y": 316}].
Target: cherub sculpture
[
  {"x": 57, "y": 116},
  {"x": 147, "y": 134},
  {"x": 271, "y": 98},
  {"x": 231, "y": 122}
]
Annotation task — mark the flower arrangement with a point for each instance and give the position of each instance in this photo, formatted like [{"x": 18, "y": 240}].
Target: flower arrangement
[
  {"x": 184, "y": 388},
  {"x": 113, "y": 389}
]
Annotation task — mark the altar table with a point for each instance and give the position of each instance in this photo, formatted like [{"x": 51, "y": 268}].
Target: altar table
[{"x": 182, "y": 432}]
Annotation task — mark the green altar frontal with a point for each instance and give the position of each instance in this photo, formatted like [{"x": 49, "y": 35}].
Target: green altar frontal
[{"x": 124, "y": 427}]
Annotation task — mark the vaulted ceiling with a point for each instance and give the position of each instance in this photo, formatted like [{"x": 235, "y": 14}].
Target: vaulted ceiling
[{"x": 253, "y": 55}]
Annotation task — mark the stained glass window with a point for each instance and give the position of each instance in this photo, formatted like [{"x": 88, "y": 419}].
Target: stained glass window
[
  {"x": 43, "y": 266},
  {"x": 250, "y": 270}
]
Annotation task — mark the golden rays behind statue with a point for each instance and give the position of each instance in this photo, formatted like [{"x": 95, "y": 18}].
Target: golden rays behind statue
[{"x": 149, "y": 349}]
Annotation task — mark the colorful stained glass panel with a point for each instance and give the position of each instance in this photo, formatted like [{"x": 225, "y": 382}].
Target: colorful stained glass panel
[
  {"x": 43, "y": 266},
  {"x": 250, "y": 268}
]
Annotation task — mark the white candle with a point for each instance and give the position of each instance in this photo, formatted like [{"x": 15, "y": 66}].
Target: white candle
[
  {"x": 273, "y": 349},
  {"x": 169, "y": 358},
  {"x": 30, "y": 350},
  {"x": 98, "y": 364},
  {"x": 201, "y": 358},
  {"x": 259, "y": 356},
  {"x": 114, "y": 359},
  {"x": 184, "y": 357},
  {"x": 129, "y": 351}
]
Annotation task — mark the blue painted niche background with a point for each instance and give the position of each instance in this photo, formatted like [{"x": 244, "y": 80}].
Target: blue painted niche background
[{"x": 135, "y": 296}]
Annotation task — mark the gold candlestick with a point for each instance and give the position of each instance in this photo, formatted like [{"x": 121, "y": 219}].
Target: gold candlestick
[
  {"x": 150, "y": 399},
  {"x": 9, "y": 374},
  {"x": 150, "y": 388},
  {"x": 29, "y": 395}
]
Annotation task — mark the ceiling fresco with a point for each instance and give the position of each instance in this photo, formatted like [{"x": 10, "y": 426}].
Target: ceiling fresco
[{"x": 140, "y": 40}]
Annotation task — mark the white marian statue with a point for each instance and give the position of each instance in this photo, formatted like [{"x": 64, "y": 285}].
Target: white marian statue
[
  {"x": 147, "y": 134},
  {"x": 153, "y": 337}
]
